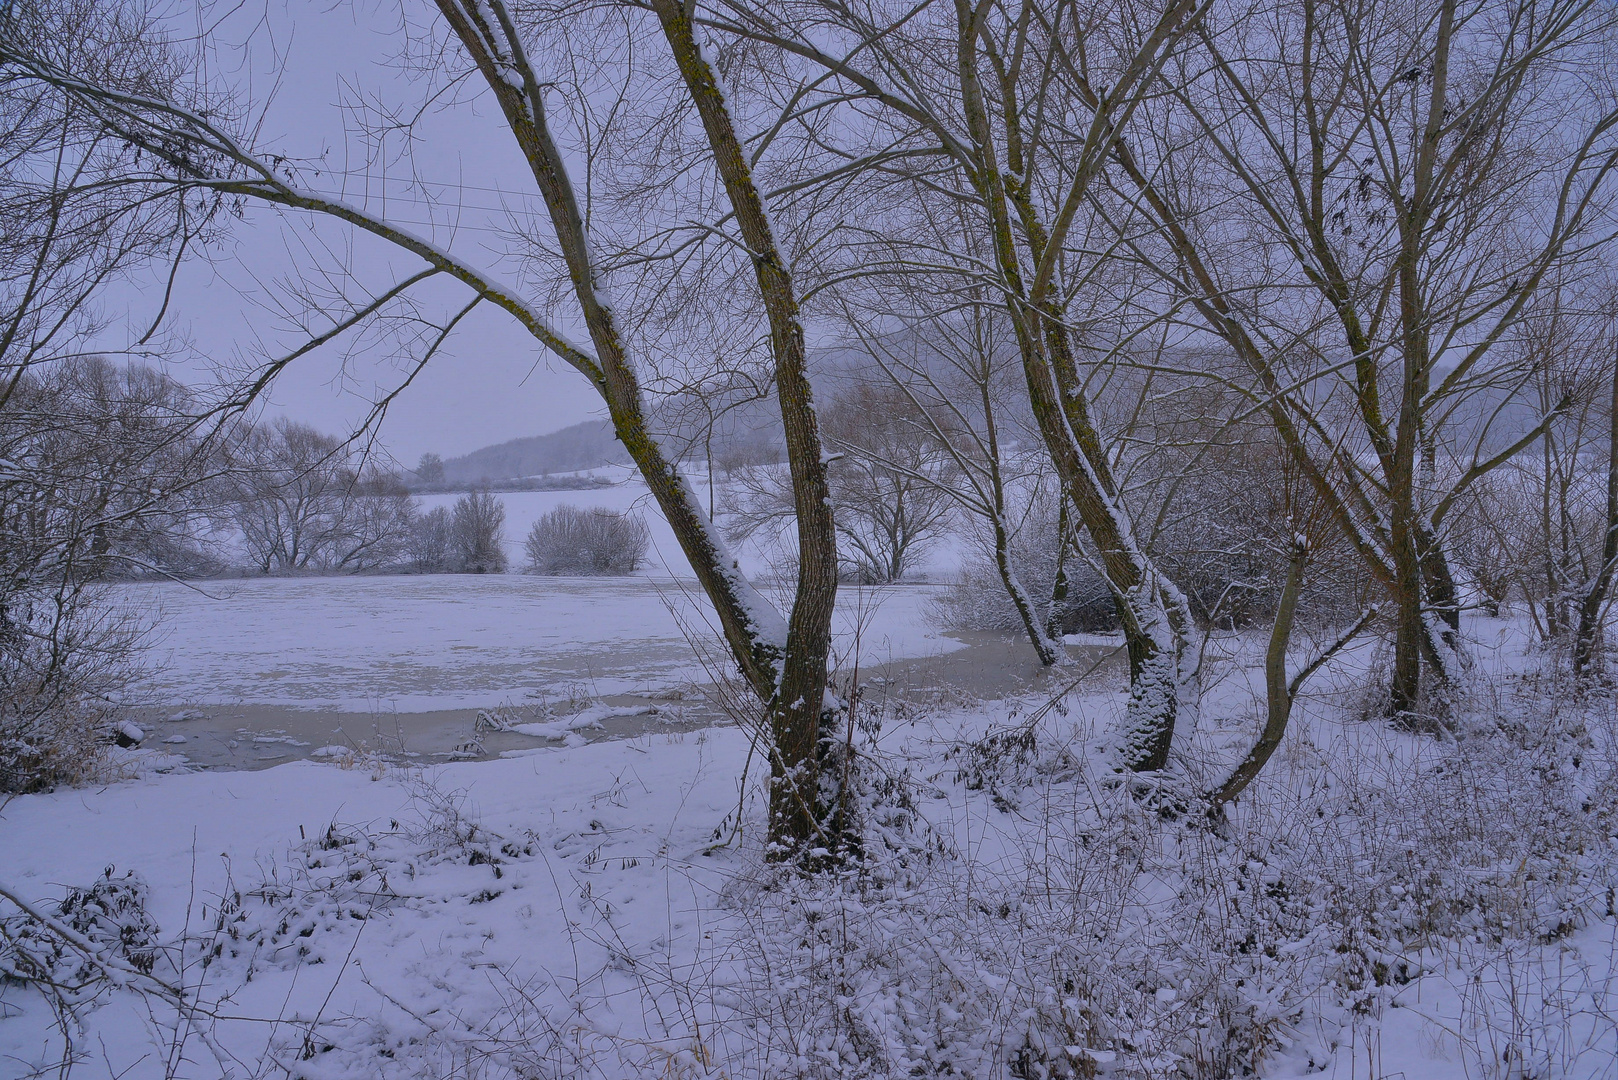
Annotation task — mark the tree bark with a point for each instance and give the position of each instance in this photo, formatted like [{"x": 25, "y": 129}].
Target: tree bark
[
  {"x": 798, "y": 808},
  {"x": 1592, "y": 606}
]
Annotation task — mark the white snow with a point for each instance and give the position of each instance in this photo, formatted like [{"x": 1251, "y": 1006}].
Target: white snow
[
  {"x": 588, "y": 910},
  {"x": 418, "y": 643},
  {"x": 625, "y": 823}
]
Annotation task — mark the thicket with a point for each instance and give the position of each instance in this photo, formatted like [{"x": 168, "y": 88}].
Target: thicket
[{"x": 102, "y": 475}]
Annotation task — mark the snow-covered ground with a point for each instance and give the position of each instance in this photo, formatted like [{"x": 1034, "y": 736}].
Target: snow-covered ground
[
  {"x": 427, "y": 642},
  {"x": 1380, "y": 905},
  {"x": 581, "y": 852}
]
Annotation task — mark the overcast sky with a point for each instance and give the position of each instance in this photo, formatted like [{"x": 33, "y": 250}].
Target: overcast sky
[{"x": 491, "y": 382}]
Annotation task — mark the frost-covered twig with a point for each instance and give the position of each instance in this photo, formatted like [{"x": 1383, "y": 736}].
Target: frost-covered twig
[{"x": 122, "y": 974}]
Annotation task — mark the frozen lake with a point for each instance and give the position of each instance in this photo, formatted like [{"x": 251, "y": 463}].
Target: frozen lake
[
  {"x": 453, "y": 641},
  {"x": 256, "y": 672}
]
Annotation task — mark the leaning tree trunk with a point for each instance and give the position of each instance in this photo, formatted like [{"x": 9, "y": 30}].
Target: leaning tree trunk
[
  {"x": 1047, "y": 645},
  {"x": 1154, "y": 625},
  {"x": 1593, "y": 605},
  {"x": 752, "y": 628},
  {"x": 799, "y": 809},
  {"x": 1278, "y": 695}
]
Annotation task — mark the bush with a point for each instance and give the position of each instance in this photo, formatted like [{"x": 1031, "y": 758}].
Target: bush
[
  {"x": 65, "y": 658},
  {"x": 569, "y": 540},
  {"x": 477, "y": 534},
  {"x": 430, "y": 540}
]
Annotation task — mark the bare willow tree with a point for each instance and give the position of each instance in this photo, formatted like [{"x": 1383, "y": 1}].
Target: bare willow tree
[
  {"x": 1541, "y": 528},
  {"x": 1363, "y": 201},
  {"x": 299, "y": 500},
  {"x": 1596, "y": 602},
  {"x": 891, "y": 485},
  {"x": 955, "y": 372},
  {"x": 983, "y": 116},
  {"x": 784, "y": 660}
]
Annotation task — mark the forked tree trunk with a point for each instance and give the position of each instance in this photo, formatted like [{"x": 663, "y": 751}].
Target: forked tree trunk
[
  {"x": 785, "y": 666},
  {"x": 1155, "y": 626},
  {"x": 752, "y": 628},
  {"x": 756, "y": 634}
]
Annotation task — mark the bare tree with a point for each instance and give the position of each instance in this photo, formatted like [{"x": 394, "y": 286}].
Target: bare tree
[
  {"x": 783, "y": 660},
  {"x": 1597, "y": 598},
  {"x": 301, "y": 503},
  {"x": 1540, "y": 525},
  {"x": 987, "y": 109},
  {"x": 889, "y": 485},
  {"x": 100, "y": 475},
  {"x": 954, "y": 374},
  {"x": 477, "y": 534},
  {"x": 101, "y": 462},
  {"x": 430, "y": 540},
  {"x": 430, "y": 469},
  {"x": 1404, "y": 189}
]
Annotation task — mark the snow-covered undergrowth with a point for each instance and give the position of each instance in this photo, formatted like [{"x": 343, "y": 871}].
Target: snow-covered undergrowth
[{"x": 1375, "y": 904}]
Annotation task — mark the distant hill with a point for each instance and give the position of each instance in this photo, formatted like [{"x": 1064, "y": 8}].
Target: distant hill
[
  {"x": 589, "y": 445},
  {"x": 742, "y": 430}
]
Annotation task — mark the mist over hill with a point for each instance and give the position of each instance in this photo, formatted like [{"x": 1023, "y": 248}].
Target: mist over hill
[{"x": 588, "y": 445}]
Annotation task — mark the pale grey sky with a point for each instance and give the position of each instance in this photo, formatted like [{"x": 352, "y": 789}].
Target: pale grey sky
[{"x": 492, "y": 382}]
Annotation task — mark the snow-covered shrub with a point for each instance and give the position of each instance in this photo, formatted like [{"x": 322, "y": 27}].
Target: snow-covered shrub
[
  {"x": 1021, "y": 912},
  {"x": 110, "y": 915},
  {"x": 430, "y": 540},
  {"x": 595, "y": 541},
  {"x": 65, "y": 657}
]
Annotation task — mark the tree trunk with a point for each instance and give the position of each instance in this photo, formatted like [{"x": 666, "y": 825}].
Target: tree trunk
[
  {"x": 1047, "y": 645},
  {"x": 1154, "y": 634},
  {"x": 1278, "y": 695},
  {"x": 752, "y": 628},
  {"x": 1592, "y": 606},
  {"x": 1059, "y": 583},
  {"x": 798, "y": 807},
  {"x": 1443, "y": 597}
]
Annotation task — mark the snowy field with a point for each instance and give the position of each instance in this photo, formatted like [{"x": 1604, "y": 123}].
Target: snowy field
[
  {"x": 940, "y": 561},
  {"x": 427, "y": 642}
]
